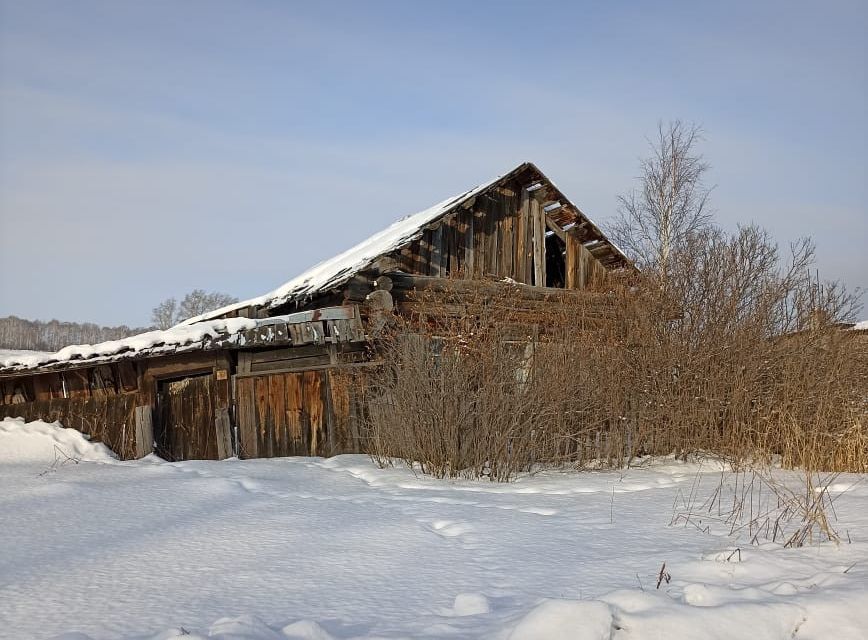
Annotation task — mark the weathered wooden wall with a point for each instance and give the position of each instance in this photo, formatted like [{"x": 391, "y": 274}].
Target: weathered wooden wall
[
  {"x": 188, "y": 393},
  {"x": 186, "y": 427},
  {"x": 91, "y": 382},
  {"x": 501, "y": 234},
  {"x": 107, "y": 419},
  {"x": 294, "y": 414}
]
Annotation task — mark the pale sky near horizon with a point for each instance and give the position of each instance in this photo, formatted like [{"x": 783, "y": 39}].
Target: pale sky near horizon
[{"x": 149, "y": 148}]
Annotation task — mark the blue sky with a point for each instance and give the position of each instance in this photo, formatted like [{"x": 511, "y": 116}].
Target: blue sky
[{"x": 149, "y": 148}]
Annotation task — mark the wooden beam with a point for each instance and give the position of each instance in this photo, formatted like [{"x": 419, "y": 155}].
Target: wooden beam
[
  {"x": 222, "y": 430},
  {"x": 319, "y": 367},
  {"x": 468, "y": 244},
  {"x": 521, "y": 234},
  {"x": 560, "y": 233},
  {"x": 539, "y": 243},
  {"x": 144, "y": 431},
  {"x": 407, "y": 282},
  {"x": 436, "y": 267}
]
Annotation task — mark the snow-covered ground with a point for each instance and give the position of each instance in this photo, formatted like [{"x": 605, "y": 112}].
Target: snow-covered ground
[{"x": 335, "y": 549}]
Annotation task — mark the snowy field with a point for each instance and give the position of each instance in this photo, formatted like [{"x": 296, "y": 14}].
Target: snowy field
[{"x": 334, "y": 549}]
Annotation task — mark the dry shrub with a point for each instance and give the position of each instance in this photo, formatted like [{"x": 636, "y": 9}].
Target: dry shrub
[
  {"x": 464, "y": 392},
  {"x": 726, "y": 352},
  {"x": 760, "y": 506}
]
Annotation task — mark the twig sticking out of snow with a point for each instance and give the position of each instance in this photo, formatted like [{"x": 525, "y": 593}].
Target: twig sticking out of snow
[
  {"x": 61, "y": 458},
  {"x": 663, "y": 575}
]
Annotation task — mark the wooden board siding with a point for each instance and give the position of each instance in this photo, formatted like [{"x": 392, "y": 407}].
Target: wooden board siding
[
  {"x": 109, "y": 419},
  {"x": 186, "y": 419},
  {"x": 291, "y": 414},
  {"x": 582, "y": 269},
  {"x": 501, "y": 234}
]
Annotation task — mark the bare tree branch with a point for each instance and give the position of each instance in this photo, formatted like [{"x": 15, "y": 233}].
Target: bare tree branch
[{"x": 671, "y": 202}]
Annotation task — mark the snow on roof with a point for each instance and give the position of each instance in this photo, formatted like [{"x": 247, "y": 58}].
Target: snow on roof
[
  {"x": 19, "y": 353},
  {"x": 330, "y": 273},
  {"x": 337, "y": 270},
  {"x": 179, "y": 338}
]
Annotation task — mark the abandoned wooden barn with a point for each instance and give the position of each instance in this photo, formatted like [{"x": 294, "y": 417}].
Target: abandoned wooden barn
[{"x": 262, "y": 377}]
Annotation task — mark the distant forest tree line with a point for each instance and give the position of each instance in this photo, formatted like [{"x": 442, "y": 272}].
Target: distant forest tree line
[{"x": 39, "y": 335}]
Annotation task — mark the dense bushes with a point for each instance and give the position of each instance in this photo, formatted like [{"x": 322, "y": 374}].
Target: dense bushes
[{"x": 726, "y": 352}]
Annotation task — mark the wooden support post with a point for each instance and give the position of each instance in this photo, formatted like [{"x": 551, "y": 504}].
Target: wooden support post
[
  {"x": 468, "y": 244},
  {"x": 539, "y": 243},
  {"x": 437, "y": 252},
  {"x": 223, "y": 429},
  {"x": 521, "y": 235},
  {"x": 575, "y": 261},
  {"x": 144, "y": 431},
  {"x": 245, "y": 358}
]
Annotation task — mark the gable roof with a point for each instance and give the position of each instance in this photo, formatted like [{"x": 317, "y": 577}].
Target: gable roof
[{"x": 336, "y": 271}]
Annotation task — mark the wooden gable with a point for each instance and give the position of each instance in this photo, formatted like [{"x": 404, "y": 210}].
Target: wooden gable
[{"x": 519, "y": 230}]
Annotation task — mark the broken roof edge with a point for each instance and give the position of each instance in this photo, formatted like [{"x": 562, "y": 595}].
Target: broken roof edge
[{"x": 337, "y": 270}]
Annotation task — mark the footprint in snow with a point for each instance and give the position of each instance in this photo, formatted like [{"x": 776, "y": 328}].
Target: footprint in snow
[{"x": 462, "y": 532}]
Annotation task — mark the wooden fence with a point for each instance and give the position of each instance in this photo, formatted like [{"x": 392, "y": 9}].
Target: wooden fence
[{"x": 109, "y": 419}]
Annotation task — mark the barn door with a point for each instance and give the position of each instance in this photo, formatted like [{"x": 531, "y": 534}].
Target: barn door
[
  {"x": 289, "y": 414},
  {"x": 185, "y": 425}
]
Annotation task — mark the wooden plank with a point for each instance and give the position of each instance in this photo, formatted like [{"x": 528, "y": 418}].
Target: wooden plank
[
  {"x": 479, "y": 242},
  {"x": 77, "y": 383},
  {"x": 521, "y": 234},
  {"x": 265, "y": 420},
  {"x": 454, "y": 243},
  {"x": 277, "y": 405},
  {"x": 425, "y": 248},
  {"x": 42, "y": 387},
  {"x": 572, "y": 262},
  {"x": 507, "y": 247},
  {"x": 343, "y": 312},
  {"x": 416, "y": 264},
  {"x": 223, "y": 433},
  {"x": 539, "y": 241},
  {"x": 331, "y": 427},
  {"x": 295, "y": 334},
  {"x": 296, "y": 441},
  {"x": 551, "y": 224},
  {"x": 313, "y": 407},
  {"x": 125, "y": 373},
  {"x": 144, "y": 431},
  {"x": 244, "y": 360},
  {"x": 436, "y": 266},
  {"x": 582, "y": 267},
  {"x": 493, "y": 250},
  {"x": 407, "y": 282},
  {"x": 468, "y": 244},
  {"x": 286, "y": 353},
  {"x": 319, "y": 367},
  {"x": 246, "y": 415},
  {"x": 338, "y": 385}
]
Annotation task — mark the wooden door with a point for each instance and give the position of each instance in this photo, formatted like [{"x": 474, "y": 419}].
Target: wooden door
[
  {"x": 291, "y": 414},
  {"x": 185, "y": 425}
]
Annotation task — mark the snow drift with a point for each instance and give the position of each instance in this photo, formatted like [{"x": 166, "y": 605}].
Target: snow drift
[{"x": 42, "y": 442}]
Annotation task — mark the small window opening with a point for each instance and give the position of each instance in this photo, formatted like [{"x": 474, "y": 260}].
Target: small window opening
[{"x": 556, "y": 267}]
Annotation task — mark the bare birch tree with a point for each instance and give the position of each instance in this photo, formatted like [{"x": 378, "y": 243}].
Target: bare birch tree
[{"x": 671, "y": 201}]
